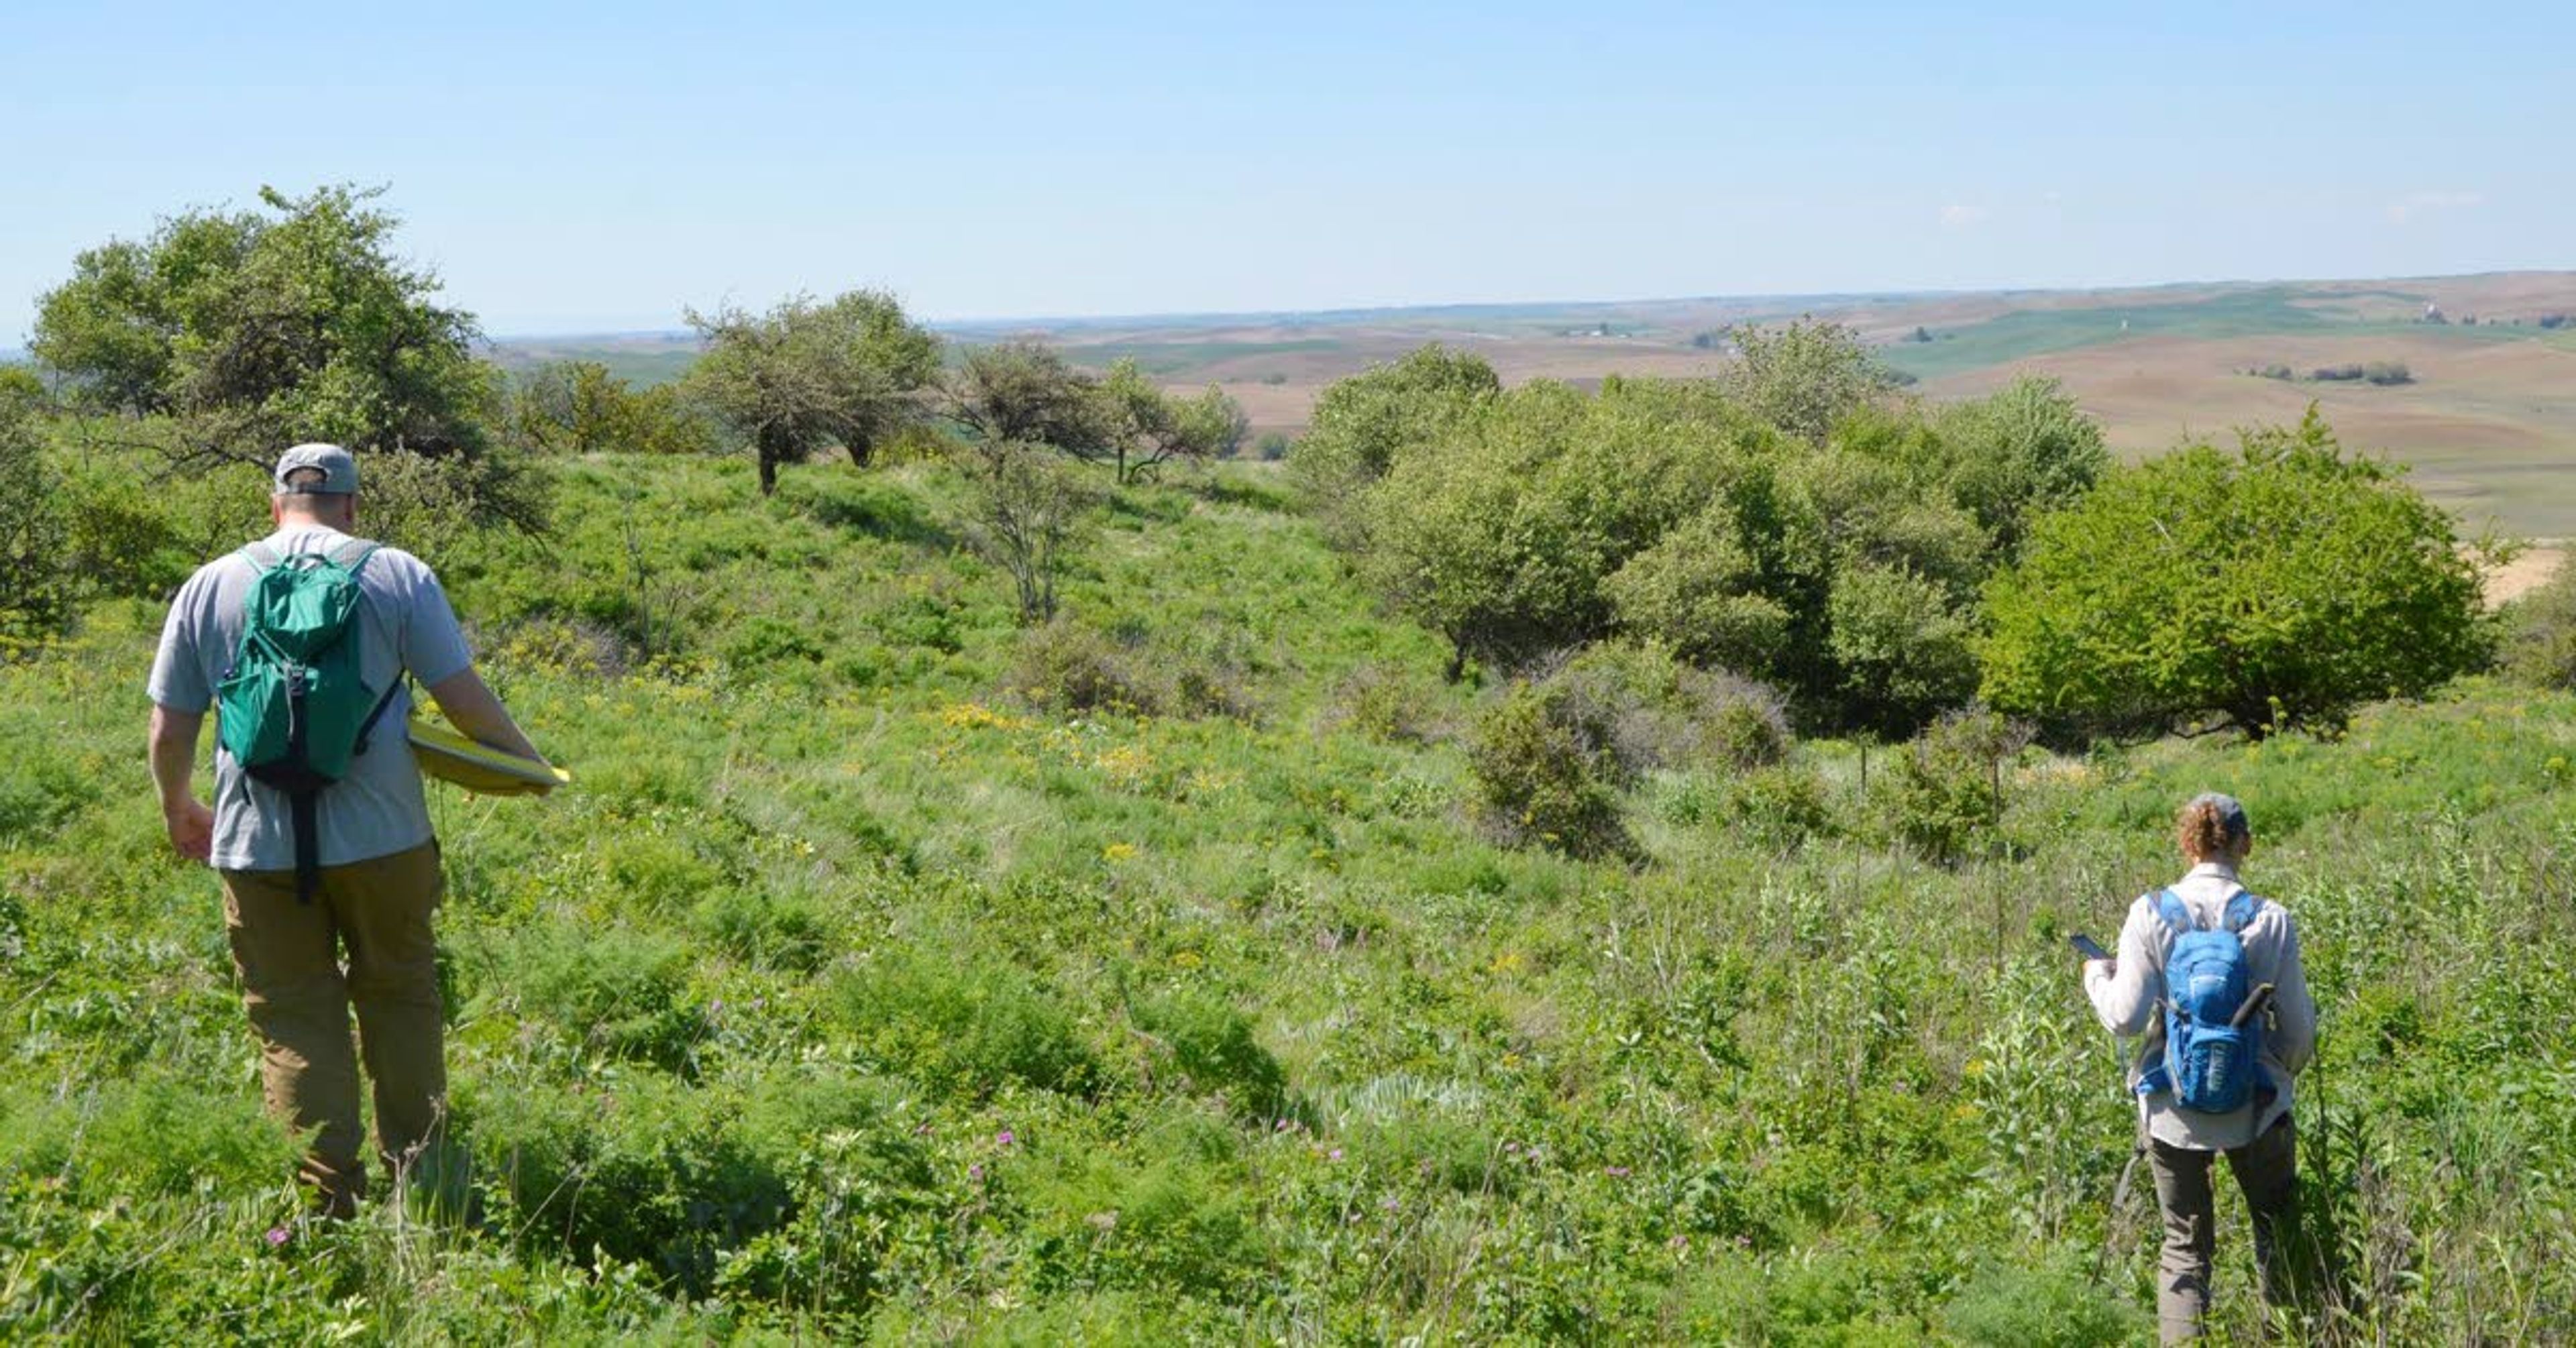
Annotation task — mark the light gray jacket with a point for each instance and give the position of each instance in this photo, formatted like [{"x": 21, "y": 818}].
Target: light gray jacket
[{"x": 2129, "y": 997}]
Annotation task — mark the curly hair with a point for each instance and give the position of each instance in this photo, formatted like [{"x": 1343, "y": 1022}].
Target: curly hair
[{"x": 2202, "y": 829}]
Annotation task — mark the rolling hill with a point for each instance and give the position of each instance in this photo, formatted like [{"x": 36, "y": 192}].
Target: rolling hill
[{"x": 2488, "y": 419}]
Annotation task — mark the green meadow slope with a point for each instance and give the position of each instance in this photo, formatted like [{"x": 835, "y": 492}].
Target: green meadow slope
[{"x": 860, "y": 989}]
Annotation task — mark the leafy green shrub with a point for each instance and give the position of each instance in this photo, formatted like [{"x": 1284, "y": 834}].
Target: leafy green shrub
[
  {"x": 1066, "y": 666},
  {"x": 154, "y": 1133},
  {"x": 1836, "y": 553},
  {"x": 582, "y": 407},
  {"x": 1660, "y": 713},
  {"x": 1167, "y": 1222},
  {"x": 37, "y": 795},
  {"x": 764, "y": 640},
  {"x": 1212, "y": 1045},
  {"x": 1545, "y": 773},
  {"x": 2282, "y": 585},
  {"x": 430, "y": 507},
  {"x": 684, "y": 1179},
  {"x": 961, "y": 1022},
  {"x": 863, "y": 505},
  {"x": 1943, "y": 797},
  {"x": 621, "y": 992},
  {"x": 2050, "y": 1305},
  {"x": 1363, "y": 424},
  {"x": 1781, "y": 805},
  {"x": 1903, "y": 648},
  {"x": 772, "y": 931},
  {"x": 2539, "y": 645},
  {"x": 1385, "y": 701},
  {"x": 2018, "y": 453}
]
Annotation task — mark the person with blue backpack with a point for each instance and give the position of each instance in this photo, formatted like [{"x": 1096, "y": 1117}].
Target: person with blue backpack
[
  {"x": 2209, "y": 976},
  {"x": 303, "y": 645}
]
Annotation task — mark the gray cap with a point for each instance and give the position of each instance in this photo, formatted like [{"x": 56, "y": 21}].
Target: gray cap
[
  {"x": 339, "y": 471},
  {"x": 2231, "y": 813}
]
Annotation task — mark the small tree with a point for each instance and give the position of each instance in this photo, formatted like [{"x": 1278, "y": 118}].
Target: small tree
[
  {"x": 2280, "y": 585},
  {"x": 1804, "y": 377},
  {"x": 1149, "y": 428},
  {"x": 2019, "y": 452},
  {"x": 1029, "y": 509},
  {"x": 1026, "y": 393},
  {"x": 579, "y": 407},
  {"x": 808, "y": 376}
]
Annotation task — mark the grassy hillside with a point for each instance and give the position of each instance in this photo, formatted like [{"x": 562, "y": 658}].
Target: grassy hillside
[{"x": 857, "y": 990}]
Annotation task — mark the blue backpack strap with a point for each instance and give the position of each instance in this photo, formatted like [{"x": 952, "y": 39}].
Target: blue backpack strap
[
  {"x": 2242, "y": 910},
  {"x": 2169, "y": 906}
]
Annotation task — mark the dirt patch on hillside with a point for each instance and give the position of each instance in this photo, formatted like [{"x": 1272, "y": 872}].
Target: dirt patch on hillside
[{"x": 2523, "y": 574}]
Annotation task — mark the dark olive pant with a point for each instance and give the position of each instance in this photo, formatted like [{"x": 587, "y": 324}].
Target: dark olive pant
[
  {"x": 2267, "y": 1170},
  {"x": 375, "y": 916}
]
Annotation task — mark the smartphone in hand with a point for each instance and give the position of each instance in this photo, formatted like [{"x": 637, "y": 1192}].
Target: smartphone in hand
[{"x": 2087, "y": 947}]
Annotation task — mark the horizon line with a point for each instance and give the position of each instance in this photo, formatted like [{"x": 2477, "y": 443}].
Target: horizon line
[{"x": 1202, "y": 316}]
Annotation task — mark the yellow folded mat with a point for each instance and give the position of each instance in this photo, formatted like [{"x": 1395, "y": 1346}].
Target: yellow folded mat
[{"x": 480, "y": 768}]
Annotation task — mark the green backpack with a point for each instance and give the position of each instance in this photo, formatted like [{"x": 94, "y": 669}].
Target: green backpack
[{"x": 293, "y": 709}]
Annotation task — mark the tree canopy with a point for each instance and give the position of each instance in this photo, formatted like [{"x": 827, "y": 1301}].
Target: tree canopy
[
  {"x": 1360, "y": 424},
  {"x": 2281, "y": 584},
  {"x": 254, "y": 329},
  {"x": 809, "y": 376}
]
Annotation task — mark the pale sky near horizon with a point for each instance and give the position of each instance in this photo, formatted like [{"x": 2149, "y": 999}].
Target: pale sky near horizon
[{"x": 590, "y": 168}]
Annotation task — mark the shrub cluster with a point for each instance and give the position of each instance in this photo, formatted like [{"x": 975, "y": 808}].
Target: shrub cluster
[
  {"x": 1069, "y": 666},
  {"x": 1552, "y": 757},
  {"x": 1781, "y": 522},
  {"x": 2539, "y": 645},
  {"x": 2381, "y": 372}
]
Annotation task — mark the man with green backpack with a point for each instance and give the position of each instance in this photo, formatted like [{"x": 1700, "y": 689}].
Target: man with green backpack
[{"x": 303, "y": 644}]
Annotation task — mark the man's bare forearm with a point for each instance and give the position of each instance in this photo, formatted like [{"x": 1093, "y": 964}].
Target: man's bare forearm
[
  {"x": 174, "y": 755},
  {"x": 471, "y": 707}
]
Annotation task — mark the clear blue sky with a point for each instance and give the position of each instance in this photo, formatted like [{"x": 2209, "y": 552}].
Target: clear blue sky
[{"x": 586, "y": 168}]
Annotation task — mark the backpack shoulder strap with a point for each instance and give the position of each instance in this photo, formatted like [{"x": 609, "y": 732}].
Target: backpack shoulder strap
[
  {"x": 2242, "y": 910},
  {"x": 2169, "y": 906},
  {"x": 352, "y": 554},
  {"x": 261, "y": 556}
]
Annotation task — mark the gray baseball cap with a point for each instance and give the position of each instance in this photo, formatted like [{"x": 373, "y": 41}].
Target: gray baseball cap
[
  {"x": 339, "y": 471},
  {"x": 2231, "y": 813}
]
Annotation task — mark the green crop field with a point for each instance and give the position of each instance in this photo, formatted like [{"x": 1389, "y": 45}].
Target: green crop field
[
  {"x": 862, "y": 988},
  {"x": 2026, "y": 333}
]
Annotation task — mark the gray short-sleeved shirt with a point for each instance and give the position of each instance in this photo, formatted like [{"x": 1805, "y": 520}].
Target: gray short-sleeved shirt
[{"x": 406, "y": 626}]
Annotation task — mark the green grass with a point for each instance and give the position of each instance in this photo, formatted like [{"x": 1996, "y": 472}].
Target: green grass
[{"x": 846, "y": 994}]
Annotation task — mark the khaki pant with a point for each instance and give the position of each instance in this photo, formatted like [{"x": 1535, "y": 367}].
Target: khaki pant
[
  {"x": 2267, "y": 1170},
  {"x": 299, "y": 995}
]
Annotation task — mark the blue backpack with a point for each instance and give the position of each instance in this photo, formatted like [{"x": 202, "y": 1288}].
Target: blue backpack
[{"x": 2211, "y": 1064}]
